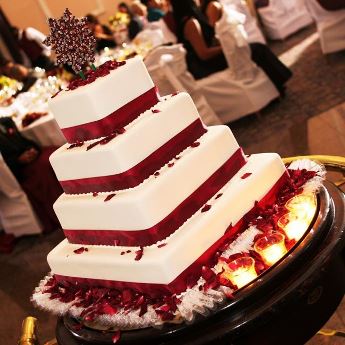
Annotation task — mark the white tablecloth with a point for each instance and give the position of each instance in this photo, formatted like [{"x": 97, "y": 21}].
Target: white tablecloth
[
  {"x": 16, "y": 214},
  {"x": 44, "y": 131}
]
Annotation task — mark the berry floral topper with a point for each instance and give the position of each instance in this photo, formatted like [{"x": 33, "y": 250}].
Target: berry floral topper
[{"x": 72, "y": 41}]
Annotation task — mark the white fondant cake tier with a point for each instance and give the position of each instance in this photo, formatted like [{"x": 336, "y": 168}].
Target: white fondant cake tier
[
  {"x": 143, "y": 136},
  {"x": 162, "y": 265},
  {"x": 102, "y": 97},
  {"x": 144, "y": 206}
]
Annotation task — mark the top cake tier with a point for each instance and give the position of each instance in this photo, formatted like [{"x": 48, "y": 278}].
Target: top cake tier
[{"x": 97, "y": 109}]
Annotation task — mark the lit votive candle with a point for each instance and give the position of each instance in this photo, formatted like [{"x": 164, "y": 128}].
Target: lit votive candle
[
  {"x": 303, "y": 205},
  {"x": 271, "y": 247},
  {"x": 241, "y": 271},
  {"x": 293, "y": 225}
]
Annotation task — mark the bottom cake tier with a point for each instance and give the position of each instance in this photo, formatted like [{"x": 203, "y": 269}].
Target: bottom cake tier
[{"x": 171, "y": 265}]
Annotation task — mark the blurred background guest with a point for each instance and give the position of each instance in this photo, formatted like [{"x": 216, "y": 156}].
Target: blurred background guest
[
  {"x": 102, "y": 33},
  {"x": 30, "y": 41},
  {"x": 333, "y": 5},
  {"x": 195, "y": 29},
  {"x": 169, "y": 17},
  {"x": 18, "y": 72},
  {"x": 139, "y": 9},
  {"x": 154, "y": 9},
  {"x": 135, "y": 22}
]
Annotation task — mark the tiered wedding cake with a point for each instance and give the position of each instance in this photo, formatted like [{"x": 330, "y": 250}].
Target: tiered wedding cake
[{"x": 151, "y": 194}]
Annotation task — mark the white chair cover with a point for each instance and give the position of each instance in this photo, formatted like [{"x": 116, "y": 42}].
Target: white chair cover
[
  {"x": 168, "y": 69},
  {"x": 153, "y": 37},
  {"x": 330, "y": 26},
  {"x": 281, "y": 18},
  {"x": 16, "y": 214},
  {"x": 254, "y": 34},
  {"x": 235, "y": 93},
  {"x": 230, "y": 32},
  {"x": 168, "y": 36}
]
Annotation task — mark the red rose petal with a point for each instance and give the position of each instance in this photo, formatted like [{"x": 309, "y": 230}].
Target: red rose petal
[
  {"x": 91, "y": 75},
  {"x": 77, "y": 144},
  {"x": 195, "y": 144},
  {"x": 206, "y": 208},
  {"x": 109, "y": 309},
  {"x": 143, "y": 309},
  {"x": 139, "y": 254},
  {"x": 207, "y": 273},
  {"x": 246, "y": 175},
  {"x": 127, "y": 296},
  {"x": 92, "y": 145},
  {"x": 80, "y": 250},
  {"x": 109, "y": 197}
]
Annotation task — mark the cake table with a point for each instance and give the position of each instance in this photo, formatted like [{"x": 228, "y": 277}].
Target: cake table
[{"x": 272, "y": 309}]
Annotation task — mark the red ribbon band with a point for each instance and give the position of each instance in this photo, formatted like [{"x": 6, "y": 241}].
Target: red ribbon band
[
  {"x": 134, "y": 176},
  {"x": 191, "y": 274},
  {"x": 118, "y": 119},
  {"x": 171, "y": 222}
]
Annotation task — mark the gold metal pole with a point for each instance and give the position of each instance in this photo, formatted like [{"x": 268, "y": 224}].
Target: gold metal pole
[{"x": 28, "y": 336}]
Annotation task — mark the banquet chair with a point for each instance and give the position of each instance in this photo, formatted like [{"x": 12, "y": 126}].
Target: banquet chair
[
  {"x": 330, "y": 26},
  {"x": 168, "y": 69},
  {"x": 16, "y": 214},
  {"x": 282, "y": 18},
  {"x": 151, "y": 36},
  {"x": 168, "y": 35},
  {"x": 243, "y": 88},
  {"x": 251, "y": 27}
]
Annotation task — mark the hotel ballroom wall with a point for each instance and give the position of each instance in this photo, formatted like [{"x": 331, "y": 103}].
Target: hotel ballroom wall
[{"x": 26, "y": 13}]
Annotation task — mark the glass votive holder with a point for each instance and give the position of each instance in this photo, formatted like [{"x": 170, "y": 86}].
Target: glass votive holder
[
  {"x": 294, "y": 225},
  {"x": 303, "y": 205},
  {"x": 241, "y": 271},
  {"x": 271, "y": 247}
]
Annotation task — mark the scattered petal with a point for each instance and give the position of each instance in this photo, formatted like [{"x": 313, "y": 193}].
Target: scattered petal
[
  {"x": 139, "y": 254},
  {"x": 109, "y": 197},
  {"x": 81, "y": 250},
  {"x": 195, "y": 144},
  {"x": 246, "y": 175},
  {"x": 206, "y": 208}
]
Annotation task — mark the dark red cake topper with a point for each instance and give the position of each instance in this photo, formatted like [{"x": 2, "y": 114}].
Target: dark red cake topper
[{"x": 72, "y": 41}]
